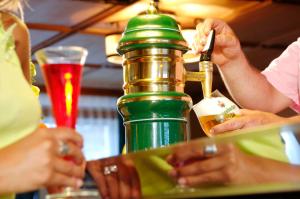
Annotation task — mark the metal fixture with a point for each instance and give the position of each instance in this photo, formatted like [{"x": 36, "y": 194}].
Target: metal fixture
[{"x": 154, "y": 107}]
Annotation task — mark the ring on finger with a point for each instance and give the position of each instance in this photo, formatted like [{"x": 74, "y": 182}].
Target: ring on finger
[
  {"x": 210, "y": 150},
  {"x": 63, "y": 148},
  {"x": 110, "y": 169}
]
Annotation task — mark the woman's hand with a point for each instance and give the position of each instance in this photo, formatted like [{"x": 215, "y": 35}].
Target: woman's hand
[
  {"x": 192, "y": 167},
  {"x": 36, "y": 161},
  {"x": 115, "y": 178},
  {"x": 246, "y": 119},
  {"x": 227, "y": 46}
]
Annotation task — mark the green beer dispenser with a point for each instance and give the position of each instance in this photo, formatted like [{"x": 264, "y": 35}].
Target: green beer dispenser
[{"x": 154, "y": 106}]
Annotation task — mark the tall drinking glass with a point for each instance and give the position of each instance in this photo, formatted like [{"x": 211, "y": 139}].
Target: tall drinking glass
[
  {"x": 215, "y": 110},
  {"x": 62, "y": 68}
]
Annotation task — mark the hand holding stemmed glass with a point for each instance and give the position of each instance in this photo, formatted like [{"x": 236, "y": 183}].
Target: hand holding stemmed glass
[
  {"x": 62, "y": 68},
  {"x": 225, "y": 164},
  {"x": 41, "y": 164},
  {"x": 209, "y": 164}
]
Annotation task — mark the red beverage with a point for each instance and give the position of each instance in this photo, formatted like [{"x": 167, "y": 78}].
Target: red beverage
[{"x": 63, "y": 87}]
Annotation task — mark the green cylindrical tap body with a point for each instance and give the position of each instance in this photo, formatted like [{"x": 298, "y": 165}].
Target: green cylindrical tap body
[
  {"x": 154, "y": 107},
  {"x": 154, "y": 119}
]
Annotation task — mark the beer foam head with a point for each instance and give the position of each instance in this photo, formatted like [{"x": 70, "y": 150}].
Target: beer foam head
[{"x": 215, "y": 106}]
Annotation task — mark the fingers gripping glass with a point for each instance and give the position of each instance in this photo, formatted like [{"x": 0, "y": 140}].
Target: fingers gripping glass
[{"x": 62, "y": 68}]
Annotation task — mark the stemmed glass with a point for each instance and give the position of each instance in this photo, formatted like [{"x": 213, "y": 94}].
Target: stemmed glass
[{"x": 62, "y": 68}]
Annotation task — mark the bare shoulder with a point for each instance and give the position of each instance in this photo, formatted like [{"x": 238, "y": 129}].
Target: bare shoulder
[
  {"x": 21, "y": 39},
  {"x": 20, "y": 32}
]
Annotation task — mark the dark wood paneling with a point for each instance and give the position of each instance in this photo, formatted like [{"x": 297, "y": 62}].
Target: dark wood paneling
[{"x": 78, "y": 27}]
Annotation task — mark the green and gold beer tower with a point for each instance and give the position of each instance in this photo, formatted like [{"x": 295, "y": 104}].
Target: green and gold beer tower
[{"x": 154, "y": 106}]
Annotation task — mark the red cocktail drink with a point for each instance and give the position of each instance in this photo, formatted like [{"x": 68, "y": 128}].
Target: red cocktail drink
[
  {"x": 62, "y": 68},
  {"x": 63, "y": 87}
]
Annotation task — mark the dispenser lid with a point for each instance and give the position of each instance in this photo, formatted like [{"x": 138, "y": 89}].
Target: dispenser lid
[{"x": 152, "y": 30}]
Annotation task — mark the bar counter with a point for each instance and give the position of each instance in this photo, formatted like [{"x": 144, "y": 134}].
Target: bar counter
[{"x": 152, "y": 169}]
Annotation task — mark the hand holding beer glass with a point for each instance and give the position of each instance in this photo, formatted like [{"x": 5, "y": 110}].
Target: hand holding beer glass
[{"x": 214, "y": 110}]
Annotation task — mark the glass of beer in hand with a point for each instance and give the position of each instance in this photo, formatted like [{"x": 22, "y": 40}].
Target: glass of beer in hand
[{"x": 214, "y": 110}]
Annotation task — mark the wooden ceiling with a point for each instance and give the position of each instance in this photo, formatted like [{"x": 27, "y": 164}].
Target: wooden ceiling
[{"x": 264, "y": 27}]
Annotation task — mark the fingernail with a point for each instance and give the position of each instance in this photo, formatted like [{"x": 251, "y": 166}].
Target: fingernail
[
  {"x": 211, "y": 131},
  {"x": 79, "y": 183},
  {"x": 182, "y": 181},
  {"x": 173, "y": 173}
]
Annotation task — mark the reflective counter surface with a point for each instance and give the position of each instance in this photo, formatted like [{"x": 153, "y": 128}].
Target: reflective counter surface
[{"x": 147, "y": 173}]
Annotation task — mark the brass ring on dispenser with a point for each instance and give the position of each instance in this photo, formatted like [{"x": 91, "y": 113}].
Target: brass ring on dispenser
[
  {"x": 155, "y": 98},
  {"x": 153, "y": 41}
]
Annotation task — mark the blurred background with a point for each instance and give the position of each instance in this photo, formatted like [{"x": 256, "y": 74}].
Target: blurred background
[{"x": 265, "y": 28}]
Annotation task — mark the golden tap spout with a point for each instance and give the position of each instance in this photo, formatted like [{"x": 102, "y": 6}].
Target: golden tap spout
[{"x": 205, "y": 76}]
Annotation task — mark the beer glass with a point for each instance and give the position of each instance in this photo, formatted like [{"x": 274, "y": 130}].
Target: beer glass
[
  {"x": 214, "y": 110},
  {"x": 62, "y": 68}
]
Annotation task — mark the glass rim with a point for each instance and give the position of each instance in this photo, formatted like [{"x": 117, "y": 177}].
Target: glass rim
[
  {"x": 60, "y": 55},
  {"x": 62, "y": 47}
]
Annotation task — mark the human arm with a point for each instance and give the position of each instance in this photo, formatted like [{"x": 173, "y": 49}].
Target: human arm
[
  {"x": 228, "y": 166},
  {"x": 251, "y": 118},
  {"x": 247, "y": 86},
  {"x": 22, "y": 42},
  {"x": 35, "y": 161}
]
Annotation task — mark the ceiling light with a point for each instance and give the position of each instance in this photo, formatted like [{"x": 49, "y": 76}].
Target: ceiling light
[
  {"x": 203, "y": 10},
  {"x": 111, "y": 45}
]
